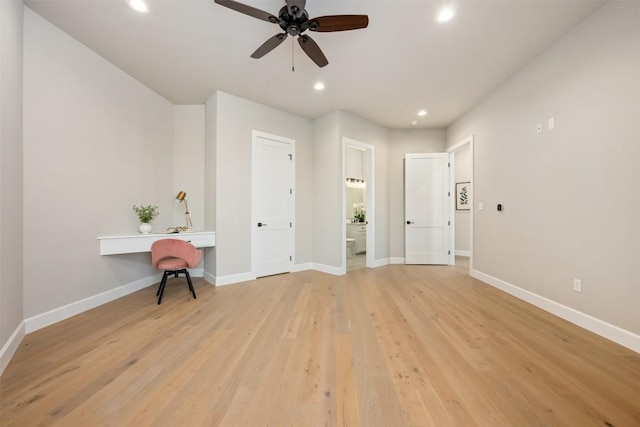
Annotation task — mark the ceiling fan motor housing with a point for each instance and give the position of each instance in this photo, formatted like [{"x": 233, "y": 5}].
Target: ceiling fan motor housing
[{"x": 291, "y": 24}]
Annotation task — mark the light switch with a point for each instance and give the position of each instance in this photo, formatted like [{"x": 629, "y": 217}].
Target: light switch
[
  {"x": 539, "y": 128},
  {"x": 551, "y": 123},
  {"x": 480, "y": 206}
]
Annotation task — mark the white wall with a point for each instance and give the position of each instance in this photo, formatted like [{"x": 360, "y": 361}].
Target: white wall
[
  {"x": 327, "y": 192},
  {"x": 188, "y": 163},
  {"x": 235, "y": 120},
  {"x": 463, "y": 173},
  {"x": 11, "y": 247},
  {"x": 354, "y": 163},
  {"x": 570, "y": 209},
  {"x": 96, "y": 142},
  {"x": 403, "y": 142}
]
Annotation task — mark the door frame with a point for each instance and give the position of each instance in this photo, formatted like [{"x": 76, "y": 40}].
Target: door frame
[
  {"x": 292, "y": 206},
  {"x": 452, "y": 151},
  {"x": 368, "y": 166}
]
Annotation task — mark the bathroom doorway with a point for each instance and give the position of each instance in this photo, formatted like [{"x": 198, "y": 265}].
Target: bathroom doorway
[{"x": 358, "y": 205}]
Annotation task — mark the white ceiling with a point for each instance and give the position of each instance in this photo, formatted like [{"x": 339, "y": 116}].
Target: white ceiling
[{"x": 404, "y": 61}]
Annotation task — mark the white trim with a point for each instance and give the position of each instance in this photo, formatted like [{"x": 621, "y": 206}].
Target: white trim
[
  {"x": 209, "y": 278},
  {"x": 452, "y": 208},
  {"x": 463, "y": 253},
  {"x": 460, "y": 144},
  {"x": 380, "y": 262},
  {"x": 302, "y": 267},
  {"x": 397, "y": 260},
  {"x": 56, "y": 315},
  {"x": 456, "y": 147},
  {"x": 234, "y": 278},
  {"x": 10, "y": 347},
  {"x": 611, "y": 332},
  {"x": 336, "y": 271}
]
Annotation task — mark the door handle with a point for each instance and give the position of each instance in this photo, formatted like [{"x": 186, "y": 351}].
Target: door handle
[
  {"x": 262, "y": 224},
  {"x": 410, "y": 222}
]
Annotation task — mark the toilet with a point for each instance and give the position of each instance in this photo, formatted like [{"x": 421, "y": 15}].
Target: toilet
[{"x": 350, "y": 243}]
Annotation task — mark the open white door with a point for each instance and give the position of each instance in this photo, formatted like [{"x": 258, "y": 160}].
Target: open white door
[
  {"x": 273, "y": 201},
  {"x": 426, "y": 195}
]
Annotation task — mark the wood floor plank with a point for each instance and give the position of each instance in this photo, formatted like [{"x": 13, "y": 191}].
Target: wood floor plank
[
  {"x": 393, "y": 346},
  {"x": 348, "y": 412}
]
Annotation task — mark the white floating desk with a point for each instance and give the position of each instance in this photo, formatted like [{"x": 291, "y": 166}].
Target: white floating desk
[{"x": 113, "y": 245}]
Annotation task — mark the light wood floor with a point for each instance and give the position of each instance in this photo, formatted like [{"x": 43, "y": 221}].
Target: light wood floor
[{"x": 394, "y": 346}]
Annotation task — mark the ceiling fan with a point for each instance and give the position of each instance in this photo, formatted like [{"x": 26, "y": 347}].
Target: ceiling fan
[{"x": 294, "y": 20}]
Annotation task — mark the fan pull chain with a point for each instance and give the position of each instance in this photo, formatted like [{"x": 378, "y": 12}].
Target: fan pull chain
[{"x": 293, "y": 67}]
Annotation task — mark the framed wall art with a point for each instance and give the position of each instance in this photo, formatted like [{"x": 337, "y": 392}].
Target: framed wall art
[{"x": 463, "y": 196}]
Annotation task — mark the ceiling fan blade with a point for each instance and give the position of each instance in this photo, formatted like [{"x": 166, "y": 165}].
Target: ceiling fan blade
[
  {"x": 269, "y": 45},
  {"x": 296, "y": 7},
  {"x": 248, "y": 10},
  {"x": 312, "y": 50},
  {"x": 338, "y": 23}
]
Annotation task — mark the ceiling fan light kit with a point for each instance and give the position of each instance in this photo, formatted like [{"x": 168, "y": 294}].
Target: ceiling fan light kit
[{"x": 294, "y": 20}]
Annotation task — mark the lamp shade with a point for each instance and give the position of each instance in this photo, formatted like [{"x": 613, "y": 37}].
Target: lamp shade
[{"x": 181, "y": 196}]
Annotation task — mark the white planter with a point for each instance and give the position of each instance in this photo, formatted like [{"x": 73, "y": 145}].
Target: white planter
[{"x": 145, "y": 228}]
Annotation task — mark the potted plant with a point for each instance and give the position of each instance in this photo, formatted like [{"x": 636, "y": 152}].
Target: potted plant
[
  {"x": 359, "y": 211},
  {"x": 146, "y": 214}
]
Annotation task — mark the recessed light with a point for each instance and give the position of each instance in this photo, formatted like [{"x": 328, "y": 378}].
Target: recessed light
[
  {"x": 446, "y": 14},
  {"x": 140, "y": 6},
  {"x": 318, "y": 86},
  {"x": 422, "y": 113}
]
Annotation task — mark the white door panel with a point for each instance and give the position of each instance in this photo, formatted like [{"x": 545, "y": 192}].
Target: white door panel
[
  {"x": 273, "y": 173},
  {"x": 427, "y": 208}
]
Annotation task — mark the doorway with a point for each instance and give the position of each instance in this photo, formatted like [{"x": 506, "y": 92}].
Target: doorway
[{"x": 358, "y": 205}]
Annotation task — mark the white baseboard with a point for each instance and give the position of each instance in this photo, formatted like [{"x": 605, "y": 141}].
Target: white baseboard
[
  {"x": 396, "y": 260},
  {"x": 209, "y": 277},
  {"x": 244, "y": 277},
  {"x": 302, "y": 267},
  {"x": 233, "y": 278},
  {"x": 611, "y": 332},
  {"x": 380, "y": 262},
  {"x": 10, "y": 347},
  {"x": 336, "y": 271},
  {"x": 61, "y": 313},
  {"x": 463, "y": 253}
]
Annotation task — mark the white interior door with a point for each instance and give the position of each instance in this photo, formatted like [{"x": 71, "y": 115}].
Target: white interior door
[
  {"x": 427, "y": 208},
  {"x": 273, "y": 201}
]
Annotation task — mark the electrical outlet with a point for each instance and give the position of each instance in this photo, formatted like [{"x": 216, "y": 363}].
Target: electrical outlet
[
  {"x": 577, "y": 285},
  {"x": 539, "y": 128}
]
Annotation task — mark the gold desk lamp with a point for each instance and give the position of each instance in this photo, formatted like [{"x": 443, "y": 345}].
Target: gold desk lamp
[{"x": 182, "y": 198}]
